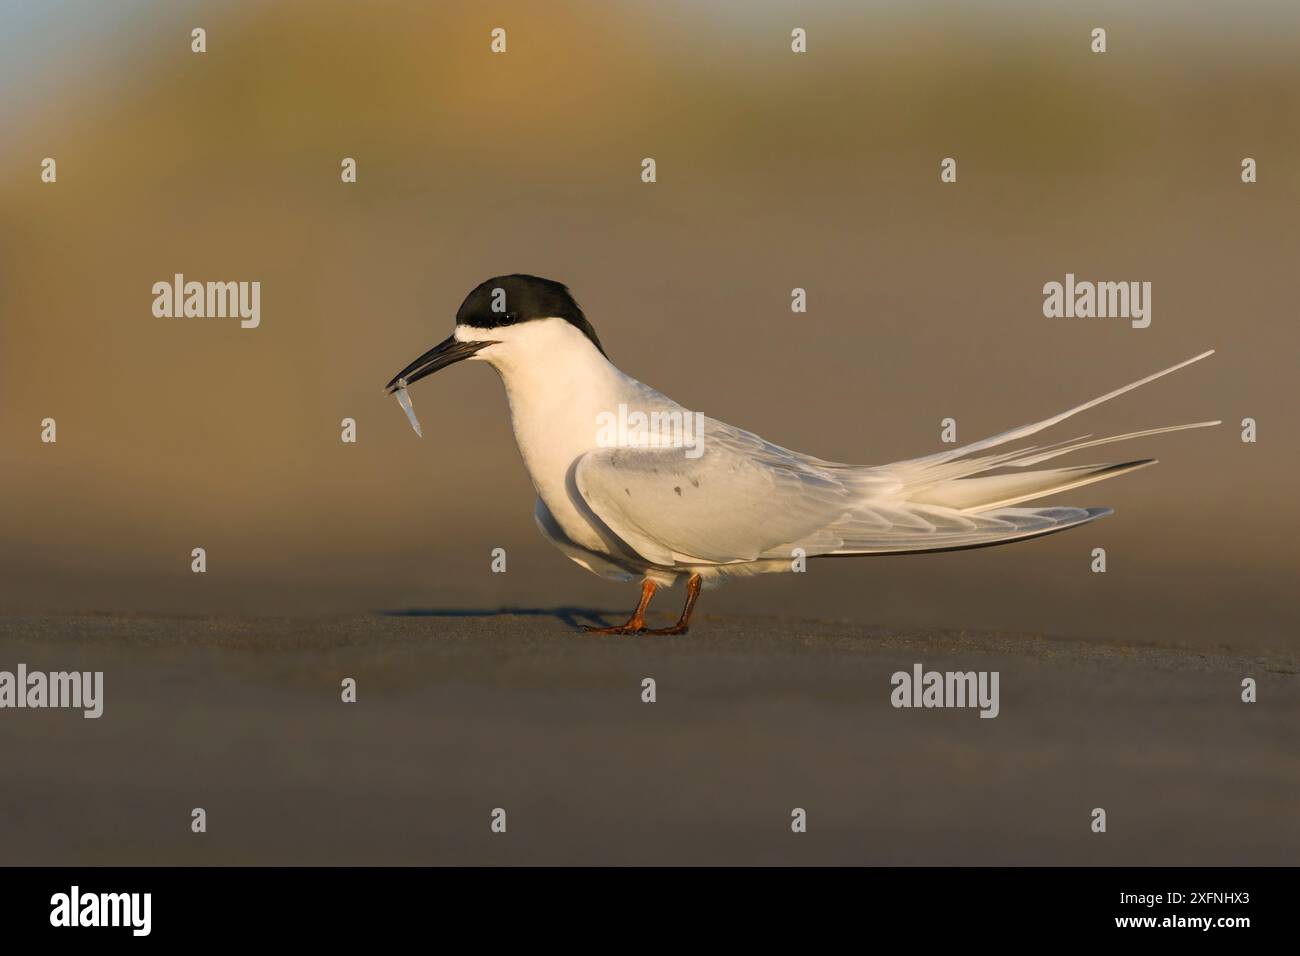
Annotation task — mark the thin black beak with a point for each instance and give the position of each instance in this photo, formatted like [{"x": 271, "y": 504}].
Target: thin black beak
[{"x": 447, "y": 352}]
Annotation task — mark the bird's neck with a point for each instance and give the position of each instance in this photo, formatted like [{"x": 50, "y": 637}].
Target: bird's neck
[{"x": 557, "y": 400}]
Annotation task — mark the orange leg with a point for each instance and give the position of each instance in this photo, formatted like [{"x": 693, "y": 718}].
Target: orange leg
[
  {"x": 684, "y": 622},
  {"x": 636, "y": 623}
]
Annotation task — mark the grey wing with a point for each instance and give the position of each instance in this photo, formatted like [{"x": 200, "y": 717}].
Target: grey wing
[
  {"x": 741, "y": 499},
  {"x": 745, "y": 499}
]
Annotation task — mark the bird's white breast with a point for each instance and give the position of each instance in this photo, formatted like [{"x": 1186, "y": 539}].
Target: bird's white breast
[{"x": 558, "y": 385}]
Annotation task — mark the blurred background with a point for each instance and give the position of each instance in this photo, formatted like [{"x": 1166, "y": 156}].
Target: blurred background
[{"x": 775, "y": 170}]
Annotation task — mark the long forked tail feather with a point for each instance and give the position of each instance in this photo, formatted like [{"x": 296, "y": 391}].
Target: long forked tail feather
[
  {"x": 1024, "y": 431},
  {"x": 999, "y": 491},
  {"x": 954, "y": 479}
]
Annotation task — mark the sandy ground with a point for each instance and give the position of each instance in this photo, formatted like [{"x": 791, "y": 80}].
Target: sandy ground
[{"x": 463, "y": 712}]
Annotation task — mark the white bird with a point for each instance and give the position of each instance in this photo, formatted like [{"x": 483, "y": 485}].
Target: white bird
[{"x": 669, "y": 494}]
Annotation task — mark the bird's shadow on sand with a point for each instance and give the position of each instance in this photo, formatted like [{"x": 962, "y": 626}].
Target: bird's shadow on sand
[{"x": 574, "y": 617}]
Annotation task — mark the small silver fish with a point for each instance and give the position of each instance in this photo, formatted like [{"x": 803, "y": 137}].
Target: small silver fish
[{"x": 404, "y": 400}]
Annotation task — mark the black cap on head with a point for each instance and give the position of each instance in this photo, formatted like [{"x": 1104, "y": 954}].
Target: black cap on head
[{"x": 522, "y": 298}]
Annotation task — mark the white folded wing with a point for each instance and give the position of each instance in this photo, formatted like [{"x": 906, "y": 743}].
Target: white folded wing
[{"x": 745, "y": 499}]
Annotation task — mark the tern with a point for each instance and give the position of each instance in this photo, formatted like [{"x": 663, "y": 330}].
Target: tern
[{"x": 647, "y": 502}]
